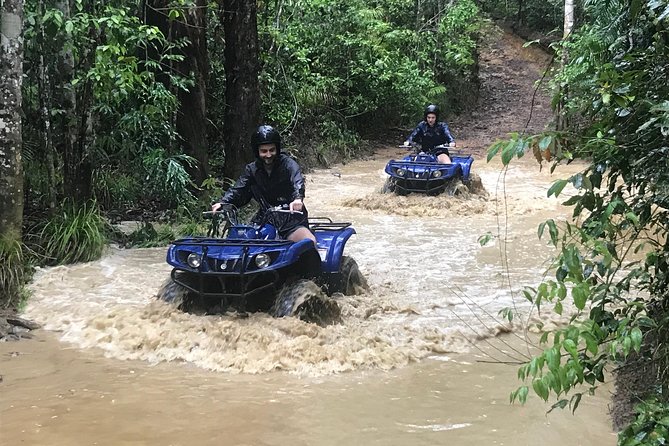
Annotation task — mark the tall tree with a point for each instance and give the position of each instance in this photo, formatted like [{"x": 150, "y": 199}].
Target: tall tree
[
  {"x": 11, "y": 173},
  {"x": 67, "y": 100},
  {"x": 192, "y": 114},
  {"x": 191, "y": 122},
  {"x": 242, "y": 88},
  {"x": 561, "y": 122}
]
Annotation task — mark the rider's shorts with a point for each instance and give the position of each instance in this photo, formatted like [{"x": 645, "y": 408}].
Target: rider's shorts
[
  {"x": 286, "y": 223},
  {"x": 292, "y": 222},
  {"x": 441, "y": 150}
]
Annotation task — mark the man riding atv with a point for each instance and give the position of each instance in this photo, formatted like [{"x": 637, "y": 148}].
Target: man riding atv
[
  {"x": 281, "y": 263},
  {"x": 273, "y": 179},
  {"x": 432, "y": 136}
]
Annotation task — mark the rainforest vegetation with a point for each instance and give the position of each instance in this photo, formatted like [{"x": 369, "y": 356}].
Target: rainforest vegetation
[{"x": 141, "y": 110}]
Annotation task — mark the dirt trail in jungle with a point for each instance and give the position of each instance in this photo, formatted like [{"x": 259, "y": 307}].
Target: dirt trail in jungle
[{"x": 509, "y": 100}]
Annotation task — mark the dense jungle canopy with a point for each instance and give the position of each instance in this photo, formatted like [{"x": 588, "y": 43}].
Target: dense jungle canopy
[{"x": 128, "y": 109}]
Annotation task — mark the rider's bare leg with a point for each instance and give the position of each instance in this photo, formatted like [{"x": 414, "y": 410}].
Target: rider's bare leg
[
  {"x": 300, "y": 234},
  {"x": 444, "y": 159}
]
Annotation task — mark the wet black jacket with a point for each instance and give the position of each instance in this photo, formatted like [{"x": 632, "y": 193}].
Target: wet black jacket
[
  {"x": 284, "y": 185},
  {"x": 429, "y": 137}
]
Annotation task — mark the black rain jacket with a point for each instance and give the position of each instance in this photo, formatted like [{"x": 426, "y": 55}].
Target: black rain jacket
[
  {"x": 430, "y": 137},
  {"x": 284, "y": 185}
]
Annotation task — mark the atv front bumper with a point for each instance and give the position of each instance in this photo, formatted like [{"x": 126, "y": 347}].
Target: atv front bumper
[{"x": 226, "y": 269}]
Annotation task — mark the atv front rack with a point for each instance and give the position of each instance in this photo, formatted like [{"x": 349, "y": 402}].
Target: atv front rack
[{"x": 326, "y": 224}]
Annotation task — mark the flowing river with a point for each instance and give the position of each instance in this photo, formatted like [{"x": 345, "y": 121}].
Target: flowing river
[{"x": 421, "y": 359}]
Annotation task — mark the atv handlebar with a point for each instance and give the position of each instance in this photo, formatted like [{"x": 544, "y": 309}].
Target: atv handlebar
[
  {"x": 285, "y": 208},
  {"x": 418, "y": 149}
]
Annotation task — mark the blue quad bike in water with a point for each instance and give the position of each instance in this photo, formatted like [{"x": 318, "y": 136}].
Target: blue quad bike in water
[
  {"x": 422, "y": 173},
  {"x": 248, "y": 268}
]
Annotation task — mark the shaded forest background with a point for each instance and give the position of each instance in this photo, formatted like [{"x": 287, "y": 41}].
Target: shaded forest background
[{"x": 128, "y": 109}]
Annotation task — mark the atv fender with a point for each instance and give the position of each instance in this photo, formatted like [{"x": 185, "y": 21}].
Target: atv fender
[
  {"x": 333, "y": 256},
  {"x": 465, "y": 163},
  {"x": 304, "y": 256}
]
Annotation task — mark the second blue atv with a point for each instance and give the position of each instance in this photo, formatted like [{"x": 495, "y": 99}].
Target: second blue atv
[
  {"x": 246, "y": 267},
  {"x": 422, "y": 173}
]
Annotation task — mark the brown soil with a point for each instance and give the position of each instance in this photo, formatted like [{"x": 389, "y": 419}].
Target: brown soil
[
  {"x": 509, "y": 100},
  {"x": 14, "y": 327}
]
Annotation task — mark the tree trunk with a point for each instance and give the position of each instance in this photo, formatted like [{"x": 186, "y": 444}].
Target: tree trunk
[
  {"x": 11, "y": 73},
  {"x": 192, "y": 114},
  {"x": 44, "y": 88},
  {"x": 242, "y": 89},
  {"x": 561, "y": 121},
  {"x": 67, "y": 97},
  {"x": 191, "y": 117},
  {"x": 77, "y": 175}
]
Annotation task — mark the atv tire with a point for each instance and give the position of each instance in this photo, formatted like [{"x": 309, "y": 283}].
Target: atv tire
[
  {"x": 388, "y": 186},
  {"x": 475, "y": 185},
  {"x": 177, "y": 295},
  {"x": 351, "y": 281},
  {"x": 305, "y": 300},
  {"x": 172, "y": 293}
]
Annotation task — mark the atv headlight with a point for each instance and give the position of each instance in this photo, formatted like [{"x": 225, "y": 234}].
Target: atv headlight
[
  {"x": 436, "y": 174},
  {"x": 400, "y": 172},
  {"x": 262, "y": 260},
  {"x": 194, "y": 260}
]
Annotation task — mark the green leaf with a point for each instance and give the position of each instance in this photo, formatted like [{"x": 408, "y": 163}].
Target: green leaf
[
  {"x": 552, "y": 356},
  {"x": 557, "y": 187},
  {"x": 570, "y": 346},
  {"x": 580, "y": 295},
  {"x": 559, "y": 405},
  {"x": 590, "y": 342},
  {"x": 493, "y": 151},
  {"x": 545, "y": 142},
  {"x": 636, "y": 337},
  {"x": 485, "y": 238},
  {"x": 540, "y": 389},
  {"x": 575, "y": 401},
  {"x": 508, "y": 152}
]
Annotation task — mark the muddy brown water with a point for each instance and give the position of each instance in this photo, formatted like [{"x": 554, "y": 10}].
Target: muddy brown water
[{"x": 412, "y": 363}]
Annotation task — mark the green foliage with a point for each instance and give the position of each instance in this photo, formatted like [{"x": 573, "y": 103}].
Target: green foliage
[
  {"x": 149, "y": 237},
  {"x": 167, "y": 178},
  {"x": 99, "y": 61},
  {"x": 485, "y": 238},
  {"x": 612, "y": 265},
  {"x": 76, "y": 233},
  {"x": 328, "y": 142},
  {"x": 539, "y": 16},
  {"x": 115, "y": 189},
  {"x": 357, "y": 63},
  {"x": 14, "y": 273},
  {"x": 651, "y": 426}
]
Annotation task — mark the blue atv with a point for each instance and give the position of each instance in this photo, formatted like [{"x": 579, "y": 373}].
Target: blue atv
[
  {"x": 421, "y": 172},
  {"x": 247, "y": 267}
]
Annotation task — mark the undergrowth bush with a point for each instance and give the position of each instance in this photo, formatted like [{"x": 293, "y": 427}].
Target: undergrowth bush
[
  {"x": 14, "y": 273},
  {"x": 651, "y": 426},
  {"x": 76, "y": 233}
]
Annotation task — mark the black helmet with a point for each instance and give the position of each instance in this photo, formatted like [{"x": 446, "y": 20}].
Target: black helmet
[
  {"x": 431, "y": 109},
  {"x": 265, "y": 134}
]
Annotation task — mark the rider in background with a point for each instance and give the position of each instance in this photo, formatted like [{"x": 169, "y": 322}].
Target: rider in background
[
  {"x": 273, "y": 179},
  {"x": 431, "y": 133}
]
